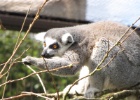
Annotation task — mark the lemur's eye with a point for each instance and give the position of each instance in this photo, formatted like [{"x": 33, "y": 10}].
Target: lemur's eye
[
  {"x": 54, "y": 46},
  {"x": 44, "y": 44}
]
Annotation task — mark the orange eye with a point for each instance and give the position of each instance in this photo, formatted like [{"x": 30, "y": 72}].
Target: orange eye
[
  {"x": 54, "y": 46},
  {"x": 44, "y": 44}
]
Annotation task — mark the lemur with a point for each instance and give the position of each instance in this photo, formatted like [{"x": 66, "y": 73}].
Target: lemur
[{"x": 86, "y": 45}]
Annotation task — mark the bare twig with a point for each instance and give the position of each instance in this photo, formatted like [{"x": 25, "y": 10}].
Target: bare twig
[
  {"x": 16, "y": 97},
  {"x": 105, "y": 56},
  {"x": 122, "y": 94},
  {"x": 21, "y": 41},
  {"x": 131, "y": 33},
  {"x": 22, "y": 26},
  {"x": 25, "y": 94},
  {"x": 128, "y": 31},
  {"x": 54, "y": 84},
  {"x": 110, "y": 91},
  {"x": 9, "y": 70},
  {"x": 12, "y": 63},
  {"x": 5, "y": 86},
  {"x": 43, "y": 86},
  {"x": 52, "y": 70},
  {"x": 36, "y": 94},
  {"x": 55, "y": 95},
  {"x": 111, "y": 59}
]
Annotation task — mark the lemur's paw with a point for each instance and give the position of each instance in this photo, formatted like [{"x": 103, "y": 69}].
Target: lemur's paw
[
  {"x": 90, "y": 93},
  {"x": 27, "y": 60}
]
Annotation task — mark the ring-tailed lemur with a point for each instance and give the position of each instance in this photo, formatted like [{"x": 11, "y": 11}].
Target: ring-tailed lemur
[{"x": 87, "y": 45}]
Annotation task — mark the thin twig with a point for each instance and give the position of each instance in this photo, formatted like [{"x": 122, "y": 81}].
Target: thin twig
[
  {"x": 9, "y": 70},
  {"x": 55, "y": 95},
  {"x": 43, "y": 86},
  {"x": 122, "y": 94},
  {"x": 36, "y": 94},
  {"x": 25, "y": 94},
  {"x": 5, "y": 86},
  {"x": 106, "y": 55},
  {"x": 43, "y": 71},
  {"x": 12, "y": 63},
  {"x": 22, "y": 26},
  {"x": 111, "y": 59},
  {"x": 16, "y": 97},
  {"x": 128, "y": 30},
  {"x": 131, "y": 33},
  {"x": 21, "y": 41},
  {"x": 54, "y": 84}
]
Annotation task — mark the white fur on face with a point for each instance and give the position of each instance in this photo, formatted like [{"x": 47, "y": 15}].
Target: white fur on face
[
  {"x": 58, "y": 52},
  {"x": 49, "y": 41}
]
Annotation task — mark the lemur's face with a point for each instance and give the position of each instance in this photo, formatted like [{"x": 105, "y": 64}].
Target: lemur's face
[{"x": 54, "y": 47}]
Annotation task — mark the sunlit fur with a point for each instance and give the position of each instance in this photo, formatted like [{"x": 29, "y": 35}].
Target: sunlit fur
[{"x": 86, "y": 45}]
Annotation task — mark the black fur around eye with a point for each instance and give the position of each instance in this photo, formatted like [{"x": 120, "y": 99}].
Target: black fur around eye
[{"x": 54, "y": 46}]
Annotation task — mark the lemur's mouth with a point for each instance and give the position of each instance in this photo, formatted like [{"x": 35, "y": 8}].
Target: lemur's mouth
[{"x": 47, "y": 55}]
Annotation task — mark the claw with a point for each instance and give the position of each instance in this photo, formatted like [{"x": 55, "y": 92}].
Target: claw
[{"x": 26, "y": 61}]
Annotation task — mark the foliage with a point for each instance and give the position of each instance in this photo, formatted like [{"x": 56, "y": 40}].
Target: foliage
[{"x": 7, "y": 42}]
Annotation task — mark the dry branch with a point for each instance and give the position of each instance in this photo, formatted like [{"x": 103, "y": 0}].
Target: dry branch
[
  {"x": 123, "y": 94},
  {"x": 54, "y": 84},
  {"x": 105, "y": 56},
  {"x": 39, "y": 72},
  {"x": 21, "y": 41},
  {"x": 18, "y": 44},
  {"x": 40, "y": 80},
  {"x": 22, "y": 27},
  {"x": 114, "y": 96},
  {"x": 25, "y": 94}
]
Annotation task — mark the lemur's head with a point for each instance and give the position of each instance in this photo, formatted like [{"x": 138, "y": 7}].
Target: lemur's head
[{"x": 56, "y": 42}]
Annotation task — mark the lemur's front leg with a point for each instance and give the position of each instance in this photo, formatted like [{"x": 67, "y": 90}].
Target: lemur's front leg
[{"x": 70, "y": 58}]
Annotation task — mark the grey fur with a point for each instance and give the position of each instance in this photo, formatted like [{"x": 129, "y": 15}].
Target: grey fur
[{"x": 91, "y": 42}]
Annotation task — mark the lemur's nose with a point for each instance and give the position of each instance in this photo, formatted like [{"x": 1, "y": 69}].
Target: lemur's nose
[
  {"x": 43, "y": 53},
  {"x": 46, "y": 55}
]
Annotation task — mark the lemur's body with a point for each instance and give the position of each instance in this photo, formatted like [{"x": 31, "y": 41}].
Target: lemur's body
[{"x": 87, "y": 45}]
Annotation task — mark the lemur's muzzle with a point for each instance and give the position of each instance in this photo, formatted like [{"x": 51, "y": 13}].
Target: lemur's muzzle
[{"x": 46, "y": 55}]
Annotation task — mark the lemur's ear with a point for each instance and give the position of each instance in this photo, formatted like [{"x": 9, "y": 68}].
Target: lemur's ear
[{"x": 67, "y": 38}]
